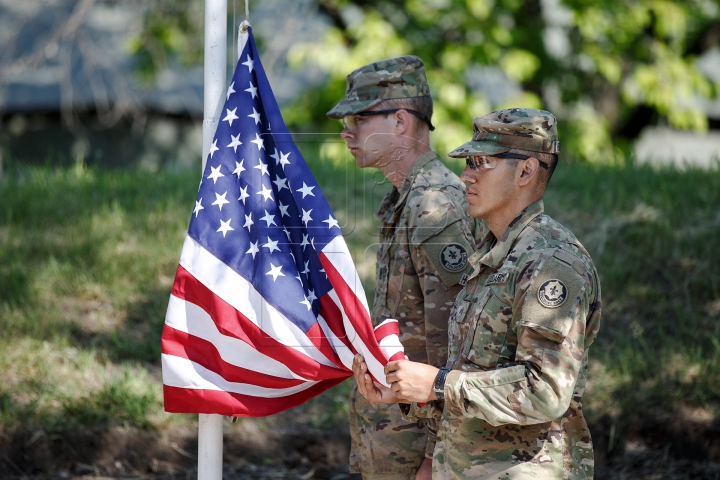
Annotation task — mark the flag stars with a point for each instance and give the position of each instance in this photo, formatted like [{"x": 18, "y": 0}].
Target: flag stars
[
  {"x": 262, "y": 166},
  {"x": 287, "y": 232},
  {"x": 259, "y": 142},
  {"x": 268, "y": 219},
  {"x": 253, "y": 92},
  {"x": 266, "y": 193},
  {"x": 250, "y": 63},
  {"x": 230, "y": 91},
  {"x": 234, "y": 144},
  {"x": 238, "y": 166},
  {"x": 331, "y": 222},
  {"x": 253, "y": 249},
  {"x": 275, "y": 271},
  {"x": 306, "y": 218},
  {"x": 284, "y": 159},
  {"x": 306, "y": 190},
  {"x": 306, "y": 302},
  {"x": 255, "y": 116},
  {"x": 220, "y": 200},
  {"x": 280, "y": 183},
  {"x": 230, "y": 115},
  {"x": 215, "y": 174},
  {"x": 248, "y": 221},
  {"x": 305, "y": 241},
  {"x": 243, "y": 195},
  {"x": 198, "y": 207},
  {"x": 213, "y": 148},
  {"x": 311, "y": 295},
  {"x": 271, "y": 245},
  {"x": 225, "y": 227},
  {"x": 307, "y": 268},
  {"x": 283, "y": 208}
]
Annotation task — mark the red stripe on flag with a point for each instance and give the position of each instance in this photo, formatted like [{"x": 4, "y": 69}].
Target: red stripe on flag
[
  {"x": 333, "y": 317},
  {"x": 183, "y": 400},
  {"x": 202, "y": 352},
  {"x": 233, "y": 323},
  {"x": 389, "y": 328},
  {"x": 316, "y": 335},
  {"x": 354, "y": 309}
]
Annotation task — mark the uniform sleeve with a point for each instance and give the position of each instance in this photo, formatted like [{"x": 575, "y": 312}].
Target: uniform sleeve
[
  {"x": 442, "y": 241},
  {"x": 549, "y": 319}
]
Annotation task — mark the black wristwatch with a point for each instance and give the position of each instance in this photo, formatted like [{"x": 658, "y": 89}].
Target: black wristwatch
[{"x": 439, "y": 387}]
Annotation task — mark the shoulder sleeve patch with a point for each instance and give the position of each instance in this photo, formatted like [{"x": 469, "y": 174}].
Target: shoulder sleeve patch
[
  {"x": 447, "y": 252},
  {"x": 551, "y": 299}
]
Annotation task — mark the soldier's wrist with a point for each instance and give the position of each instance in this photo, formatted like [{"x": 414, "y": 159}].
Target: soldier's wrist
[{"x": 439, "y": 385}]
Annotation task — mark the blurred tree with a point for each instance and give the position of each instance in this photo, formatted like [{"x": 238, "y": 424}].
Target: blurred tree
[{"x": 606, "y": 68}]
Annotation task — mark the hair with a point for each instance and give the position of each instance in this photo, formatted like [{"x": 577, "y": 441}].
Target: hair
[
  {"x": 545, "y": 174},
  {"x": 423, "y": 105}
]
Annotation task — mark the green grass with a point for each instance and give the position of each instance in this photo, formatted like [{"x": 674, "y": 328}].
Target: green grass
[{"x": 87, "y": 258}]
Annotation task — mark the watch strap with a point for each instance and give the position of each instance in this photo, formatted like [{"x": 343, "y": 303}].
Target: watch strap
[{"x": 439, "y": 387}]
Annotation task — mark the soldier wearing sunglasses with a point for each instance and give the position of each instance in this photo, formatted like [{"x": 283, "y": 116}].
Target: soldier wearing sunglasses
[
  {"x": 509, "y": 399},
  {"x": 426, "y": 237}
]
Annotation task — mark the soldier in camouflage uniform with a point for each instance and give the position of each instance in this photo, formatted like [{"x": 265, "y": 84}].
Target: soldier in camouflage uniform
[
  {"x": 509, "y": 399},
  {"x": 426, "y": 238}
]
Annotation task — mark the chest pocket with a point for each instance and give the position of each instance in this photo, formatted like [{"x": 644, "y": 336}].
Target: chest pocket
[
  {"x": 485, "y": 344},
  {"x": 390, "y": 273}
]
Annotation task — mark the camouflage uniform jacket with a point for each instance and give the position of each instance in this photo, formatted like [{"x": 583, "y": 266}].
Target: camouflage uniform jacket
[
  {"x": 519, "y": 337},
  {"x": 426, "y": 237}
]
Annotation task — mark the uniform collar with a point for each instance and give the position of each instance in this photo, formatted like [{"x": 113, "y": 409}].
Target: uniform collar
[
  {"x": 492, "y": 251},
  {"x": 395, "y": 199}
]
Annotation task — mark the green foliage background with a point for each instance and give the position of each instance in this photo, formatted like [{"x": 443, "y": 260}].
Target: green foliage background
[{"x": 620, "y": 64}]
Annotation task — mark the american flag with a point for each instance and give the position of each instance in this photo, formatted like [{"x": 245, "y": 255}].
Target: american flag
[{"x": 267, "y": 309}]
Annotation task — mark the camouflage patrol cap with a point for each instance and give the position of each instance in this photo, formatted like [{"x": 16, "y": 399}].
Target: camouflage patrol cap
[
  {"x": 521, "y": 128},
  {"x": 400, "y": 77}
]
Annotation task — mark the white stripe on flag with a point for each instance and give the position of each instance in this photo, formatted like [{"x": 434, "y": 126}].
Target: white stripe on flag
[
  {"x": 183, "y": 373},
  {"x": 189, "y": 318},
  {"x": 241, "y": 295},
  {"x": 338, "y": 254}
]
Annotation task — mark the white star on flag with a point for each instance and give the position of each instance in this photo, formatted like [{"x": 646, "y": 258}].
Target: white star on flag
[
  {"x": 275, "y": 272},
  {"x": 235, "y": 143},
  {"x": 230, "y": 116},
  {"x": 259, "y": 142},
  {"x": 213, "y": 148},
  {"x": 253, "y": 92},
  {"x": 283, "y": 208},
  {"x": 250, "y": 63},
  {"x": 266, "y": 193},
  {"x": 239, "y": 166},
  {"x": 253, "y": 249},
  {"x": 271, "y": 245},
  {"x": 220, "y": 200},
  {"x": 248, "y": 221},
  {"x": 225, "y": 227},
  {"x": 262, "y": 166},
  {"x": 269, "y": 219},
  {"x": 215, "y": 174},
  {"x": 255, "y": 116},
  {"x": 198, "y": 207},
  {"x": 306, "y": 218},
  {"x": 243, "y": 195},
  {"x": 331, "y": 222},
  {"x": 230, "y": 91},
  {"x": 306, "y": 302},
  {"x": 306, "y": 190},
  {"x": 280, "y": 183}
]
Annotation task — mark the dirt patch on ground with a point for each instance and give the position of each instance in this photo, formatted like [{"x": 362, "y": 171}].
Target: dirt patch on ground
[{"x": 257, "y": 449}]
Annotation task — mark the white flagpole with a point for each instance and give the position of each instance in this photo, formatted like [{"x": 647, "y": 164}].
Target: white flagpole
[{"x": 210, "y": 427}]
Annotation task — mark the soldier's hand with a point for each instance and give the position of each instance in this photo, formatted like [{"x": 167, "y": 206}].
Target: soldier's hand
[
  {"x": 411, "y": 381},
  {"x": 425, "y": 470},
  {"x": 372, "y": 391}
]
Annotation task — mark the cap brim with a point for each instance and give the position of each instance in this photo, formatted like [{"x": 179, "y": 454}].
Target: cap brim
[
  {"x": 351, "y": 107},
  {"x": 478, "y": 148}
]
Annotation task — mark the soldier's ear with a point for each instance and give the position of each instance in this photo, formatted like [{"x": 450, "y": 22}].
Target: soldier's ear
[
  {"x": 402, "y": 122},
  {"x": 528, "y": 170}
]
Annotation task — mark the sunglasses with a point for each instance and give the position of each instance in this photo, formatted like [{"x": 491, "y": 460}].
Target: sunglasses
[
  {"x": 486, "y": 162},
  {"x": 350, "y": 121}
]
